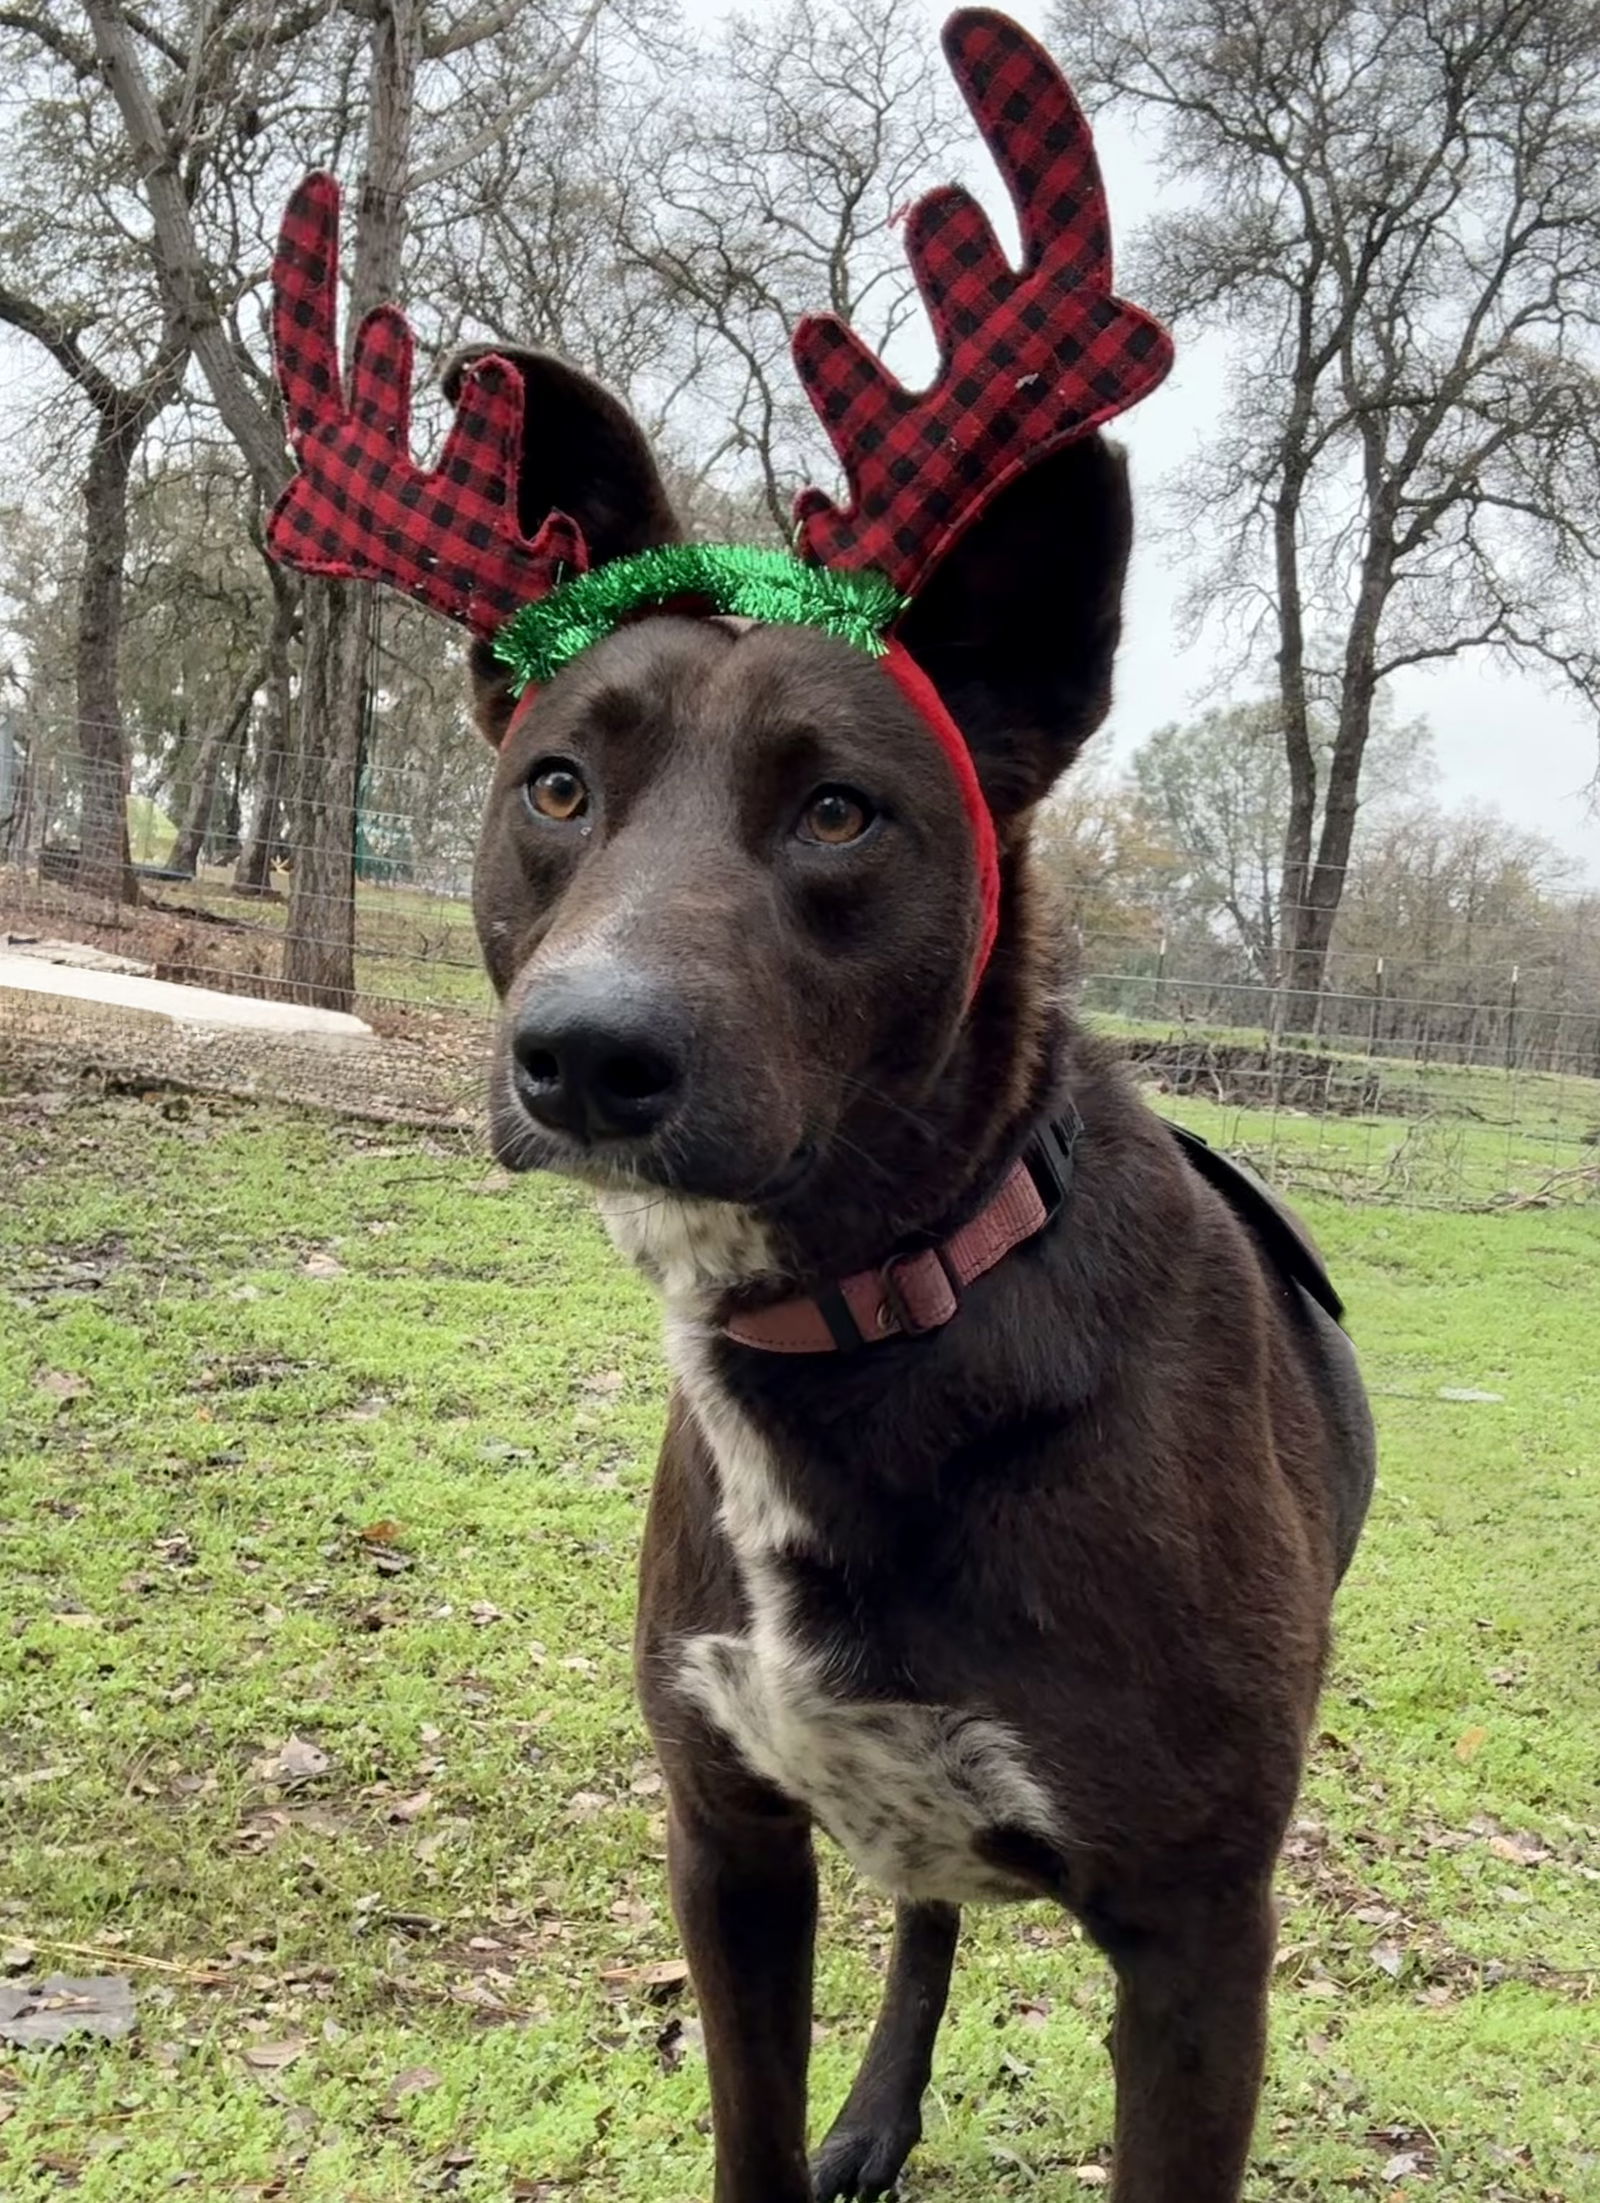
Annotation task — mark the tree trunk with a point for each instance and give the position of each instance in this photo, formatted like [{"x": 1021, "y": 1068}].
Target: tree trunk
[
  {"x": 1294, "y": 701},
  {"x": 253, "y": 874},
  {"x": 1319, "y": 904},
  {"x": 1292, "y": 1008},
  {"x": 319, "y": 942},
  {"x": 103, "y": 863},
  {"x": 215, "y": 743}
]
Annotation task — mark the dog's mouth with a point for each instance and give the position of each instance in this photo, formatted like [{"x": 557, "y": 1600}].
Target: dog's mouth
[{"x": 671, "y": 1161}]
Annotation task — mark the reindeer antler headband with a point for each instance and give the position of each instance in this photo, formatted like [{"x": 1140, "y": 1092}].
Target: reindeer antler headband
[{"x": 1029, "y": 361}]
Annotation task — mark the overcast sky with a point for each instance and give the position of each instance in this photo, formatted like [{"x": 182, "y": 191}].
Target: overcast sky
[{"x": 1502, "y": 739}]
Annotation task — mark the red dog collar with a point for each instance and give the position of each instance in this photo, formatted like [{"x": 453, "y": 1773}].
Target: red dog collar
[{"x": 920, "y": 1289}]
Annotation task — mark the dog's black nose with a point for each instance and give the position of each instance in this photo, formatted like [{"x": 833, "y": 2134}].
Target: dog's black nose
[{"x": 598, "y": 1061}]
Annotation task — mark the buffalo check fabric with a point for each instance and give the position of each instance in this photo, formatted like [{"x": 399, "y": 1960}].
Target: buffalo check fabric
[
  {"x": 1029, "y": 360},
  {"x": 360, "y": 507}
]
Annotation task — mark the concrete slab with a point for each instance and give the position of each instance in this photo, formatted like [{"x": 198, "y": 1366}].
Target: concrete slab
[
  {"x": 75, "y": 952},
  {"x": 193, "y": 1006}
]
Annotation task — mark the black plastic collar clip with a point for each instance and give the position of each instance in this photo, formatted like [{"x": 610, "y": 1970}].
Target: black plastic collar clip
[{"x": 1050, "y": 1157}]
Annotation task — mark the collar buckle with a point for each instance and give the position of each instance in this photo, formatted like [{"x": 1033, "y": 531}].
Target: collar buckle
[
  {"x": 1050, "y": 1157},
  {"x": 894, "y": 1295}
]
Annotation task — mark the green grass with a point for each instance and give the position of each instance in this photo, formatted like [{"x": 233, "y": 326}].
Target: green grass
[{"x": 234, "y": 1340}]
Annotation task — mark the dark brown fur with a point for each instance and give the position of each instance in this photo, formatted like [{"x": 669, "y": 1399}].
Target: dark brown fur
[{"x": 1108, "y": 1506}]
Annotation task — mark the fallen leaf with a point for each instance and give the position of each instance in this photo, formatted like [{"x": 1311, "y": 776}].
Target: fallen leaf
[
  {"x": 294, "y": 1761},
  {"x": 411, "y": 1808},
  {"x": 1402, "y": 2166},
  {"x": 322, "y": 1265},
  {"x": 1091, "y": 2176},
  {"x": 385, "y": 1532},
  {"x": 1387, "y": 1957},
  {"x": 272, "y": 2057},
  {"x": 584, "y": 1804},
  {"x": 416, "y": 2080},
  {"x": 1470, "y": 1743},
  {"x": 35, "y": 2015},
  {"x": 659, "y": 1981},
  {"x": 16, "y": 1958},
  {"x": 64, "y": 1384},
  {"x": 482, "y": 1612},
  {"x": 1519, "y": 1850},
  {"x": 605, "y": 1382},
  {"x": 31, "y": 1775}
]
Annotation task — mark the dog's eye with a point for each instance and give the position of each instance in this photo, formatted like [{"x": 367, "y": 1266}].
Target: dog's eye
[
  {"x": 557, "y": 790},
  {"x": 836, "y": 816}
]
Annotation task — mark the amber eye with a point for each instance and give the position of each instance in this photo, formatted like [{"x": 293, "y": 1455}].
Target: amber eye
[
  {"x": 835, "y": 816},
  {"x": 557, "y": 790}
]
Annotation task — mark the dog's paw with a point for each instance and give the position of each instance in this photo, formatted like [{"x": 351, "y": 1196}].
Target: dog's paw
[{"x": 862, "y": 2161}]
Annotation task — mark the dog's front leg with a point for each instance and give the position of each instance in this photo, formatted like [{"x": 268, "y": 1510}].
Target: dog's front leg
[
  {"x": 745, "y": 1895},
  {"x": 1188, "y": 2045},
  {"x": 881, "y": 2122}
]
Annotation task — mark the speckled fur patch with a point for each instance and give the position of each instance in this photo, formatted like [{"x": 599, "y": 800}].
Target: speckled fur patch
[{"x": 905, "y": 1790}]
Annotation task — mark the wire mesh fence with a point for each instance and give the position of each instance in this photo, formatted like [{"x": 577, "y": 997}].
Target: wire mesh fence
[{"x": 1437, "y": 1073}]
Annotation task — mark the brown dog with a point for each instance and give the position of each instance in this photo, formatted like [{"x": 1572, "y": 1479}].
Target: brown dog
[
  {"x": 1034, "y": 1604},
  {"x": 1014, "y": 1451}
]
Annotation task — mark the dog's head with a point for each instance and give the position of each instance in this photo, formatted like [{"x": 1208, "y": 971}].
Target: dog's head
[
  {"x": 748, "y": 893},
  {"x": 727, "y": 886}
]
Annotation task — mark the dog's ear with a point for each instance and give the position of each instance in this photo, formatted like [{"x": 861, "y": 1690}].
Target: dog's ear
[
  {"x": 1018, "y": 625},
  {"x": 582, "y": 454}
]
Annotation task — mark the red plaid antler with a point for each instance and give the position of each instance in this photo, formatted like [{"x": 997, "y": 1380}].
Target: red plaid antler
[
  {"x": 1028, "y": 361},
  {"x": 360, "y": 507}
]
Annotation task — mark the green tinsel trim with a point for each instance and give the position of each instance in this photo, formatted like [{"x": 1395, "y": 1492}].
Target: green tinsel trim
[{"x": 734, "y": 579}]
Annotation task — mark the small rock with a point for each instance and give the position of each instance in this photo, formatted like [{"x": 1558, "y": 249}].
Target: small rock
[{"x": 36, "y": 2015}]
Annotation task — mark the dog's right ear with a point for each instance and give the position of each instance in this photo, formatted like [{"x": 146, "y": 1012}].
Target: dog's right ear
[{"x": 582, "y": 454}]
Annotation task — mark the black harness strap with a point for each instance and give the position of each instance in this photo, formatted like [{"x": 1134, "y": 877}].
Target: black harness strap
[{"x": 1275, "y": 1227}]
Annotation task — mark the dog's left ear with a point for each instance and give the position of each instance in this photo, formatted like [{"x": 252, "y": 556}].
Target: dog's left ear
[
  {"x": 1018, "y": 625},
  {"x": 584, "y": 454}
]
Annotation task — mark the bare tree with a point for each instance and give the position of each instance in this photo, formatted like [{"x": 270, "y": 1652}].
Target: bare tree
[
  {"x": 408, "y": 60},
  {"x": 1217, "y": 793},
  {"x": 70, "y": 281},
  {"x": 1395, "y": 211},
  {"x": 768, "y": 187}
]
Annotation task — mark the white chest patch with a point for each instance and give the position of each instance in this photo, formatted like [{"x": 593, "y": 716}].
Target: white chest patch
[
  {"x": 686, "y": 1247},
  {"x": 905, "y": 1789}
]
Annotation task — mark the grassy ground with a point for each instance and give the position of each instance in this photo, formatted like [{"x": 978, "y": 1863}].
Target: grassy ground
[{"x": 333, "y": 1440}]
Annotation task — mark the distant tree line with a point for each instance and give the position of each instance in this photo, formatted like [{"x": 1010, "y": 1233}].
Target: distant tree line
[{"x": 1457, "y": 934}]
